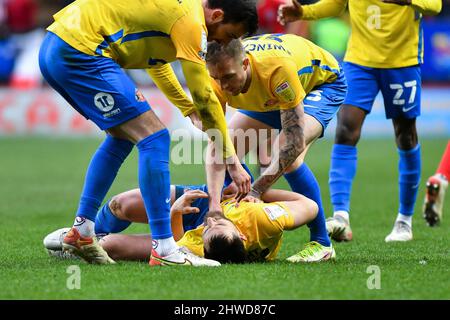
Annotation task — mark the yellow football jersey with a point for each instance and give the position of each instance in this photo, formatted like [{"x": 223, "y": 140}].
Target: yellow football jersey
[
  {"x": 262, "y": 223},
  {"x": 285, "y": 68},
  {"x": 383, "y": 35},
  {"x": 135, "y": 33}
]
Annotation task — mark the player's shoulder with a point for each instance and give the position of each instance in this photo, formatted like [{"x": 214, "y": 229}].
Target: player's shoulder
[{"x": 189, "y": 12}]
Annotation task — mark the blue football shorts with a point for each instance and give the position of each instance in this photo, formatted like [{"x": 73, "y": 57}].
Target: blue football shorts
[
  {"x": 94, "y": 86},
  {"x": 322, "y": 103},
  {"x": 400, "y": 87}
]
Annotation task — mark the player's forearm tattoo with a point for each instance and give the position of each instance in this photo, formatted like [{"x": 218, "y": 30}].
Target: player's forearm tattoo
[{"x": 292, "y": 122}]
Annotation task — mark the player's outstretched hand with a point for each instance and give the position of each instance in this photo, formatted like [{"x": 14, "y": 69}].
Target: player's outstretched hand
[
  {"x": 183, "y": 205},
  {"x": 400, "y": 2},
  {"x": 241, "y": 178},
  {"x": 289, "y": 12}
]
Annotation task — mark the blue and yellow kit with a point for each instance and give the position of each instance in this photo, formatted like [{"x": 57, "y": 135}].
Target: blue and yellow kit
[
  {"x": 91, "y": 40},
  {"x": 262, "y": 224},
  {"x": 384, "y": 35},
  {"x": 285, "y": 68}
]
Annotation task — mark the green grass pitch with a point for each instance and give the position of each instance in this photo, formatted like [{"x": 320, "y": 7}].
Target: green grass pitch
[{"x": 40, "y": 181}]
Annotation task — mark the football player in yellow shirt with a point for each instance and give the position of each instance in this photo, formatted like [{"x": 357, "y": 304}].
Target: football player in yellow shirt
[
  {"x": 384, "y": 53},
  {"x": 287, "y": 83},
  {"x": 81, "y": 57},
  {"x": 250, "y": 232}
]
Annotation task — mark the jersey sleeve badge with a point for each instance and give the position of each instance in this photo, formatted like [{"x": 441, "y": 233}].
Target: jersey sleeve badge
[
  {"x": 285, "y": 92},
  {"x": 274, "y": 211}
]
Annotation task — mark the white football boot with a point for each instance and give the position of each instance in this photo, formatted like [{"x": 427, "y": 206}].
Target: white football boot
[
  {"x": 181, "y": 257},
  {"x": 401, "y": 232}
]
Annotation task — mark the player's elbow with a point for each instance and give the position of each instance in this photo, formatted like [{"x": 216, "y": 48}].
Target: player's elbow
[
  {"x": 437, "y": 9},
  {"x": 434, "y": 9}
]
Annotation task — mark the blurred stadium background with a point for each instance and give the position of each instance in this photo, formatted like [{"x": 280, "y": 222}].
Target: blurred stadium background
[
  {"x": 45, "y": 148},
  {"x": 29, "y": 107}
]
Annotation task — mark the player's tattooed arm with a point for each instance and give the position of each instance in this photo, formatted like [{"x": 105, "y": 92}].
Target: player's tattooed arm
[{"x": 292, "y": 122}]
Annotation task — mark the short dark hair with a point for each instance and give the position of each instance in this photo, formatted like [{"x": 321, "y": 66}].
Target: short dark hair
[
  {"x": 216, "y": 51},
  {"x": 226, "y": 250},
  {"x": 238, "y": 11}
]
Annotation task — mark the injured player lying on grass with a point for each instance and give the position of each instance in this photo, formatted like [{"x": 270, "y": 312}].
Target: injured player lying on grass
[{"x": 250, "y": 231}]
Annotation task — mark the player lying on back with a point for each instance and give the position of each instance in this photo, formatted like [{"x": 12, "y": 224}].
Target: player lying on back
[{"x": 251, "y": 231}]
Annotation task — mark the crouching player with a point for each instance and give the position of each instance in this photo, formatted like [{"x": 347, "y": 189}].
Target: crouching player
[
  {"x": 247, "y": 232},
  {"x": 287, "y": 83}
]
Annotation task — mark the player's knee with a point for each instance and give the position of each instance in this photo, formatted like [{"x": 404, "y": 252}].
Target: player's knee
[
  {"x": 405, "y": 135},
  {"x": 111, "y": 245},
  {"x": 115, "y": 205},
  {"x": 347, "y": 134},
  {"x": 406, "y": 141},
  {"x": 312, "y": 209}
]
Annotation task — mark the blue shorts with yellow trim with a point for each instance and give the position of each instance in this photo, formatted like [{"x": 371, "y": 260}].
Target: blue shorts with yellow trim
[
  {"x": 322, "y": 103},
  {"x": 95, "y": 86},
  {"x": 400, "y": 87}
]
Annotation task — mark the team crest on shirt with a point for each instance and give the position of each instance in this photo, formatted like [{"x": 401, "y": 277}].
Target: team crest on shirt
[
  {"x": 204, "y": 46},
  {"x": 285, "y": 91},
  {"x": 138, "y": 95}
]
